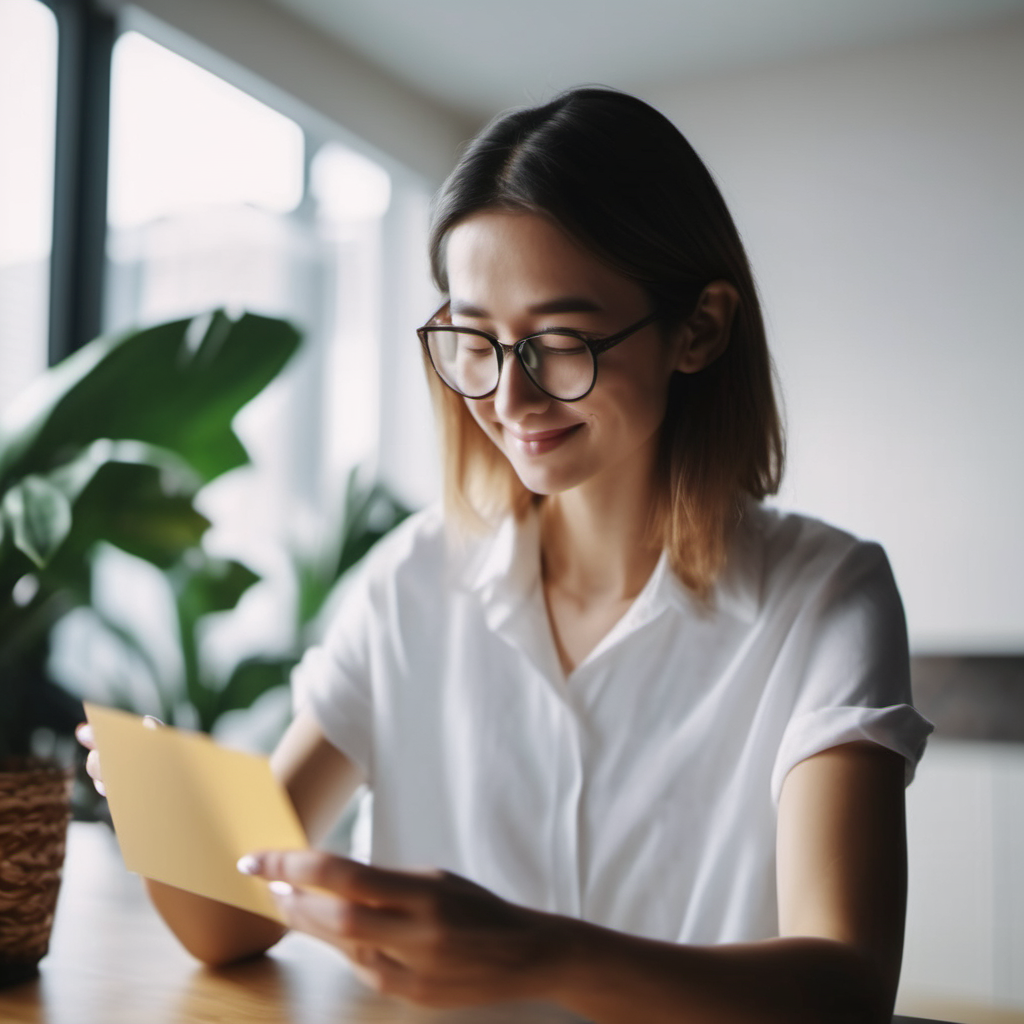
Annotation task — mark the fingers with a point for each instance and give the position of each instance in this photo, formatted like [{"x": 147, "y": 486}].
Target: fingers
[
  {"x": 433, "y": 939},
  {"x": 83, "y": 733},
  {"x": 348, "y": 878},
  {"x": 348, "y": 924},
  {"x": 92, "y": 766},
  {"x": 375, "y": 939},
  {"x": 84, "y": 736},
  {"x": 381, "y": 945}
]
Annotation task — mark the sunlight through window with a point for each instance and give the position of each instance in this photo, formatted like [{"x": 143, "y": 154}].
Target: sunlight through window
[
  {"x": 182, "y": 138},
  {"x": 28, "y": 86}
]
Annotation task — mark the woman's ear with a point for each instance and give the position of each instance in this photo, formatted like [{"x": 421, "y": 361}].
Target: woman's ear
[{"x": 705, "y": 334}]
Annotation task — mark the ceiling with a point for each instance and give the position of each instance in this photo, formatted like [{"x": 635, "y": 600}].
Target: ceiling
[{"x": 479, "y": 56}]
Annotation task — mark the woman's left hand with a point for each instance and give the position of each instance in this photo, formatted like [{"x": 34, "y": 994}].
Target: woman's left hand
[{"x": 433, "y": 938}]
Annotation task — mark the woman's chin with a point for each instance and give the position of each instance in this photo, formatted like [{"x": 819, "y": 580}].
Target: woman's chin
[{"x": 541, "y": 481}]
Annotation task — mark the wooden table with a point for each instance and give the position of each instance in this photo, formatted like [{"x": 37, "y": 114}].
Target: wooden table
[{"x": 112, "y": 961}]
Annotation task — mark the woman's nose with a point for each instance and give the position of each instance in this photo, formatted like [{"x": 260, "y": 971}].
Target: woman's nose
[{"x": 516, "y": 393}]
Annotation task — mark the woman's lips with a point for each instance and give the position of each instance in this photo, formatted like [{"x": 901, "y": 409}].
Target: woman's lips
[{"x": 540, "y": 441}]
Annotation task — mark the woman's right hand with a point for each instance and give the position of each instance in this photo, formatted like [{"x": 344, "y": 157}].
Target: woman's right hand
[{"x": 92, "y": 763}]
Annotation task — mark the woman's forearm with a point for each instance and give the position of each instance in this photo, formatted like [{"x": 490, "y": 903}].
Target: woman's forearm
[
  {"x": 211, "y": 931},
  {"x": 319, "y": 780},
  {"x": 612, "y": 978}
]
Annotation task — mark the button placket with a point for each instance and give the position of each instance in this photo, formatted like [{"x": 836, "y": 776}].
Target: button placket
[{"x": 565, "y": 846}]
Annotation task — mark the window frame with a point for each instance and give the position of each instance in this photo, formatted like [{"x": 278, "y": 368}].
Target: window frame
[{"x": 85, "y": 42}]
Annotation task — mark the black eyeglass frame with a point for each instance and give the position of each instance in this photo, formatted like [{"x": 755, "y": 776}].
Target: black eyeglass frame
[{"x": 595, "y": 346}]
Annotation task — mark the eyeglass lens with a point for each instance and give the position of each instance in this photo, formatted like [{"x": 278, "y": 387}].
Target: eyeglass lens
[{"x": 559, "y": 364}]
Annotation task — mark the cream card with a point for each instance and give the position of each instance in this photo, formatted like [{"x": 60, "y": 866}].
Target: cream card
[{"x": 185, "y": 809}]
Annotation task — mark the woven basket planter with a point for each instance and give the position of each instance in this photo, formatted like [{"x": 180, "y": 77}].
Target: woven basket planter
[{"x": 35, "y": 805}]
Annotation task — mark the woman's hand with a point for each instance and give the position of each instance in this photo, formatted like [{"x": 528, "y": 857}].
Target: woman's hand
[
  {"x": 83, "y": 733},
  {"x": 434, "y": 939},
  {"x": 92, "y": 763}
]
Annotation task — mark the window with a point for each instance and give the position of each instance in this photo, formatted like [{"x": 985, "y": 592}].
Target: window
[
  {"x": 215, "y": 199},
  {"x": 202, "y": 178},
  {"x": 28, "y": 86}
]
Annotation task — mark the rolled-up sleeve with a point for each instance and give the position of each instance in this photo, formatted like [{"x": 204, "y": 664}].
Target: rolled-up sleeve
[
  {"x": 333, "y": 679},
  {"x": 856, "y": 678}
]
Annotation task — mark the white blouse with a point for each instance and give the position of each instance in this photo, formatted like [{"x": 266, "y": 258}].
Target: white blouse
[{"x": 640, "y": 792}]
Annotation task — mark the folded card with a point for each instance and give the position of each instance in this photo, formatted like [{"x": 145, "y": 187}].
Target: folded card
[{"x": 185, "y": 809}]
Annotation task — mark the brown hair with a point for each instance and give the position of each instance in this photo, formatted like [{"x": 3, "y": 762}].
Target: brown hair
[{"x": 618, "y": 177}]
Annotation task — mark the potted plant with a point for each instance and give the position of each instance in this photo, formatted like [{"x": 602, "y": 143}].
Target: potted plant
[
  {"x": 195, "y": 690},
  {"x": 109, "y": 446}
]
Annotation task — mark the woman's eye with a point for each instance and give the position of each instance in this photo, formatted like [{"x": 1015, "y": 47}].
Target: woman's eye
[{"x": 561, "y": 344}]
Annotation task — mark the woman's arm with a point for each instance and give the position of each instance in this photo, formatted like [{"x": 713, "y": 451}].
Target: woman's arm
[
  {"x": 842, "y": 898},
  {"x": 440, "y": 940},
  {"x": 320, "y": 780}
]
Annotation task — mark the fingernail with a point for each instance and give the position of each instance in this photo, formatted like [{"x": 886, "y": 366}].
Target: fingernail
[
  {"x": 100, "y": 788},
  {"x": 151, "y": 722},
  {"x": 84, "y": 733},
  {"x": 248, "y": 865},
  {"x": 279, "y": 888}
]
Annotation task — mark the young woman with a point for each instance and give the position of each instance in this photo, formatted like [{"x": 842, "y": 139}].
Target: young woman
[{"x": 637, "y": 744}]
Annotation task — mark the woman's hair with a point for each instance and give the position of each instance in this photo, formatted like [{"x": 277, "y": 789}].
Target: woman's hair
[{"x": 620, "y": 179}]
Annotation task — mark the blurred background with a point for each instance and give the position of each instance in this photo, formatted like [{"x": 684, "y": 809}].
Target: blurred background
[{"x": 163, "y": 158}]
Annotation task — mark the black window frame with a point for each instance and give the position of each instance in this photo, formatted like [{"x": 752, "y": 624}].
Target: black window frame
[{"x": 85, "y": 44}]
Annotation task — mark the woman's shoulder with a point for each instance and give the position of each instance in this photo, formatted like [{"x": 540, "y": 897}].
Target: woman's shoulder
[
  {"x": 424, "y": 553},
  {"x": 798, "y": 552},
  {"x": 797, "y": 537},
  {"x": 417, "y": 546}
]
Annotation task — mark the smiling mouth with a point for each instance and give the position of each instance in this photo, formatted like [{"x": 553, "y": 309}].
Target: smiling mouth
[{"x": 541, "y": 441}]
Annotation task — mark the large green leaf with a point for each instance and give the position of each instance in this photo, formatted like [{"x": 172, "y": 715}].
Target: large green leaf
[
  {"x": 38, "y": 515},
  {"x": 134, "y": 507},
  {"x": 208, "y": 585},
  {"x": 178, "y": 385},
  {"x": 252, "y": 678},
  {"x": 143, "y": 506}
]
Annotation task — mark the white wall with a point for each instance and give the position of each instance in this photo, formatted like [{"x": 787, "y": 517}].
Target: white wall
[
  {"x": 881, "y": 196},
  {"x": 965, "y": 913}
]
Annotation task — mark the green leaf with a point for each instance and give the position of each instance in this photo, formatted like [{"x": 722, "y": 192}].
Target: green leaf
[
  {"x": 369, "y": 512},
  {"x": 252, "y": 678},
  {"x": 210, "y": 585},
  {"x": 143, "y": 509},
  {"x": 177, "y": 386},
  {"x": 39, "y": 515}
]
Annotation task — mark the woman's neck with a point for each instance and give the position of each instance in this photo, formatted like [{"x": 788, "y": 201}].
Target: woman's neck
[{"x": 598, "y": 546}]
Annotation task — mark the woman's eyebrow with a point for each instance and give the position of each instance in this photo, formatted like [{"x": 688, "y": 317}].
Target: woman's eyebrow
[
  {"x": 566, "y": 304},
  {"x": 562, "y": 304}
]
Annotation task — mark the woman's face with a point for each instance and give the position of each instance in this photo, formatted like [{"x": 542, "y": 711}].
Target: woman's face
[{"x": 515, "y": 274}]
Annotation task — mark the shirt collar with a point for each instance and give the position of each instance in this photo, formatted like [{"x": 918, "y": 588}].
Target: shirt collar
[{"x": 504, "y": 570}]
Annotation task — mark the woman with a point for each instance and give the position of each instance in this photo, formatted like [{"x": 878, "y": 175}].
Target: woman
[{"x": 648, "y": 739}]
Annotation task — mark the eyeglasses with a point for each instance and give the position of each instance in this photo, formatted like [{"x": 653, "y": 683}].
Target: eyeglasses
[{"x": 561, "y": 362}]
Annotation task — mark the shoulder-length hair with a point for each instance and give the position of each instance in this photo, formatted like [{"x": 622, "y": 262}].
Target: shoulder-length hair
[{"x": 619, "y": 178}]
